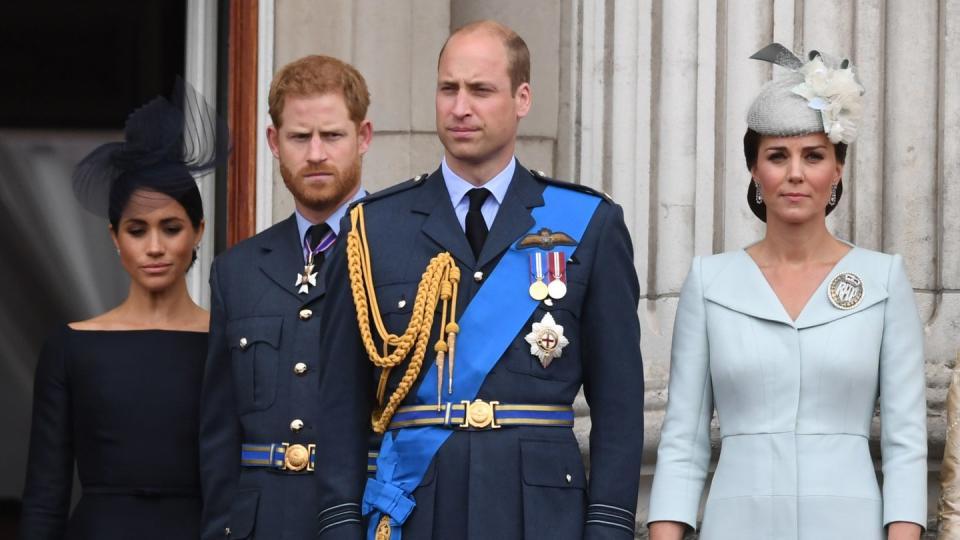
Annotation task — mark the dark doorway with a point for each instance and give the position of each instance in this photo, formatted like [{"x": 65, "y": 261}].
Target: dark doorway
[{"x": 86, "y": 65}]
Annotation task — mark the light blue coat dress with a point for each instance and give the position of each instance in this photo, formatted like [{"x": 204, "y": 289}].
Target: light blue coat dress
[{"x": 795, "y": 401}]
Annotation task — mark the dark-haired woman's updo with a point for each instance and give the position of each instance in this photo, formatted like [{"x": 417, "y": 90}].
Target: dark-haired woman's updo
[
  {"x": 180, "y": 186},
  {"x": 819, "y": 95},
  {"x": 751, "y": 152},
  {"x": 183, "y": 190},
  {"x": 167, "y": 143}
]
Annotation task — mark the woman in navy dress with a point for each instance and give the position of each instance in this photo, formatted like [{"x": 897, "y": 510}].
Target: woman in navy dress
[{"x": 118, "y": 394}]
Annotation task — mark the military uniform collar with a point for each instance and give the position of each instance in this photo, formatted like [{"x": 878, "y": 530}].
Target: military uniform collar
[
  {"x": 280, "y": 237},
  {"x": 513, "y": 217},
  {"x": 333, "y": 221},
  {"x": 282, "y": 258},
  {"x": 457, "y": 187}
]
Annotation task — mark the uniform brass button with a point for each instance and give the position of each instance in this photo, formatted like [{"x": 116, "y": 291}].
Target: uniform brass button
[
  {"x": 243, "y": 343},
  {"x": 569, "y": 478},
  {"x": 305, "y": 314},
  {"x": 478, "y": 276},
  {"x": 226, "y": 532},
  {"x": 296, "y": 425},
  {"x": 299, "y": 368},
  {"x": 401, "y": 303}
]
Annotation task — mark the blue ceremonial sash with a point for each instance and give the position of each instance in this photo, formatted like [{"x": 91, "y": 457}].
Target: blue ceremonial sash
[{"x": 489, "y": 324}]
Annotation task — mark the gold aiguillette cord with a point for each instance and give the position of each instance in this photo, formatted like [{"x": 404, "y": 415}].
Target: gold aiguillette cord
[{"x": 440, "y": 281}]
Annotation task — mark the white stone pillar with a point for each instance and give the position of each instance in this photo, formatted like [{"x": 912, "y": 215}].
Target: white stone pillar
[{"x": 200, "y": 71}]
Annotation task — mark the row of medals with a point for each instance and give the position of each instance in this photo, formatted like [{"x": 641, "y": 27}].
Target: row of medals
[{"x": 552, "y": 266}]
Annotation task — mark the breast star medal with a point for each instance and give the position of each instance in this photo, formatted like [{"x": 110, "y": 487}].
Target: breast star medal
[
  {"x": 845, "y": 291},
  {"x": 307, "y": 279},
  {"x": 546, "y": 340}
]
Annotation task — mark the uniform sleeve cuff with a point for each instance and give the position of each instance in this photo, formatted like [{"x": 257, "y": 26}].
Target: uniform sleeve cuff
[
  {"x": 340, "y": 521},
  {"x": 609, "y": 521}
]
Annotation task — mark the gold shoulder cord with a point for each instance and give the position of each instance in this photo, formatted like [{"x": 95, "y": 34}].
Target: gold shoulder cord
[{"x": 439, "y": 282}]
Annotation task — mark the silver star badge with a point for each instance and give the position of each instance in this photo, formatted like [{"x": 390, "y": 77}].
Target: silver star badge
[
  {"x": 546, "y": 340},
  {"x": 306, "y": 280}
]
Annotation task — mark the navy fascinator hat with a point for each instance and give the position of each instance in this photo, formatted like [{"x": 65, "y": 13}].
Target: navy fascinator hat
[{"x": 167, "y": 142}]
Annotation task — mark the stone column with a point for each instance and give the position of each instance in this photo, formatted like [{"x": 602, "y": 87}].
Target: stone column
[
  {"x": 646, "y": 100},
  {"x": 660, "y": 113}
]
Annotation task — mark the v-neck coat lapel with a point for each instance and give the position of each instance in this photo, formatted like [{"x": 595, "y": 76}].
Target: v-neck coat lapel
[{"x": 741, "y": 286}]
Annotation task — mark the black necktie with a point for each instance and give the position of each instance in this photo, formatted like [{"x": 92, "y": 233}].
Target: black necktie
[
  {"x": 476, "y": 227},
  {"x": 314, "y": 240}
]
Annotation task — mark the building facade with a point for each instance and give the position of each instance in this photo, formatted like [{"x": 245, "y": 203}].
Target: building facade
[{"x": 646, "y": 100}]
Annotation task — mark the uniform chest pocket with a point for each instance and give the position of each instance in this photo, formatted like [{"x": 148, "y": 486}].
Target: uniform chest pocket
[
  {"x": 554, "y": 489},
  {"x": 396, "y": 305},
  {"x": 254, "y": 349}
]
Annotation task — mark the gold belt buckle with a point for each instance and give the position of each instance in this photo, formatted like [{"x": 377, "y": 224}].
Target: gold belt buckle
[
  {"x": 480, "y": 414},
  {"x": 296, "y": 457}
]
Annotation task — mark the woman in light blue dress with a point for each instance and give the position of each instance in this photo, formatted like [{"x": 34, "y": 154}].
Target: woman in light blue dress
[{"x": 792, "y": 340}]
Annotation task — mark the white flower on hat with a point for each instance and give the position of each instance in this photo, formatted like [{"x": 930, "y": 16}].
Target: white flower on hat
[{"x": 836, "y": 94}]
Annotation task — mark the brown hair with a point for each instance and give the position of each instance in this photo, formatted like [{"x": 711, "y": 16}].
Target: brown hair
[
  {"x": 318, "y": 75},
  {"x": 518, "y": 55}
]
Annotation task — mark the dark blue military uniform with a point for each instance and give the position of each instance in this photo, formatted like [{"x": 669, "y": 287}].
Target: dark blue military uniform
[
  {"x": 260, "y": 390},
  {"x": 517, "y": 481}
]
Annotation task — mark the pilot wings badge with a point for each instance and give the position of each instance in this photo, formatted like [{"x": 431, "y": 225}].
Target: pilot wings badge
[
  {"x": 545, "y": 239},
  {"x": 546, "y": 340}
]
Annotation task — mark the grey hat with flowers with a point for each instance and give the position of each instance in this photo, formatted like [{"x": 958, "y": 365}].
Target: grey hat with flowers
[{"x": 821, "y": 95}]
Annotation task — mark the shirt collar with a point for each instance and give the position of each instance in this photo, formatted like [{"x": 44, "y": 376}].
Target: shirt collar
[
  {"x": 333, "y": 221},
  {"x": 457, "y": 187}
]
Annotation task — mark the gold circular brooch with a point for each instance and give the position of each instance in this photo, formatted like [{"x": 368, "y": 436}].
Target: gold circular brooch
[{"x": 846, "y": 291}]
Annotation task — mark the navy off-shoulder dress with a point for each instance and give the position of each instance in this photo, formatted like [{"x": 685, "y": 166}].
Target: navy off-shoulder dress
[{"x": 123, "y": 406}]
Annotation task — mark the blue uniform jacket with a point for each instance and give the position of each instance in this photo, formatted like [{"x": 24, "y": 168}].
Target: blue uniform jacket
[
  {"x": 514, "y": 482},
  {"x": 260, "y": 329}
]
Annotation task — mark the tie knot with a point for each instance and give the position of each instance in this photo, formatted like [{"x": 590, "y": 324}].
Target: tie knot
[
  {"x": 319, "y": 237},
  {"x": 477, "y": 197}
]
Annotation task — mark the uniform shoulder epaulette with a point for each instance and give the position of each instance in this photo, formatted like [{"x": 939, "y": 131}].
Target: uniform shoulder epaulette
[
  {"x": 416, "y": 181},
  {"x": 570, "y": 185}
]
